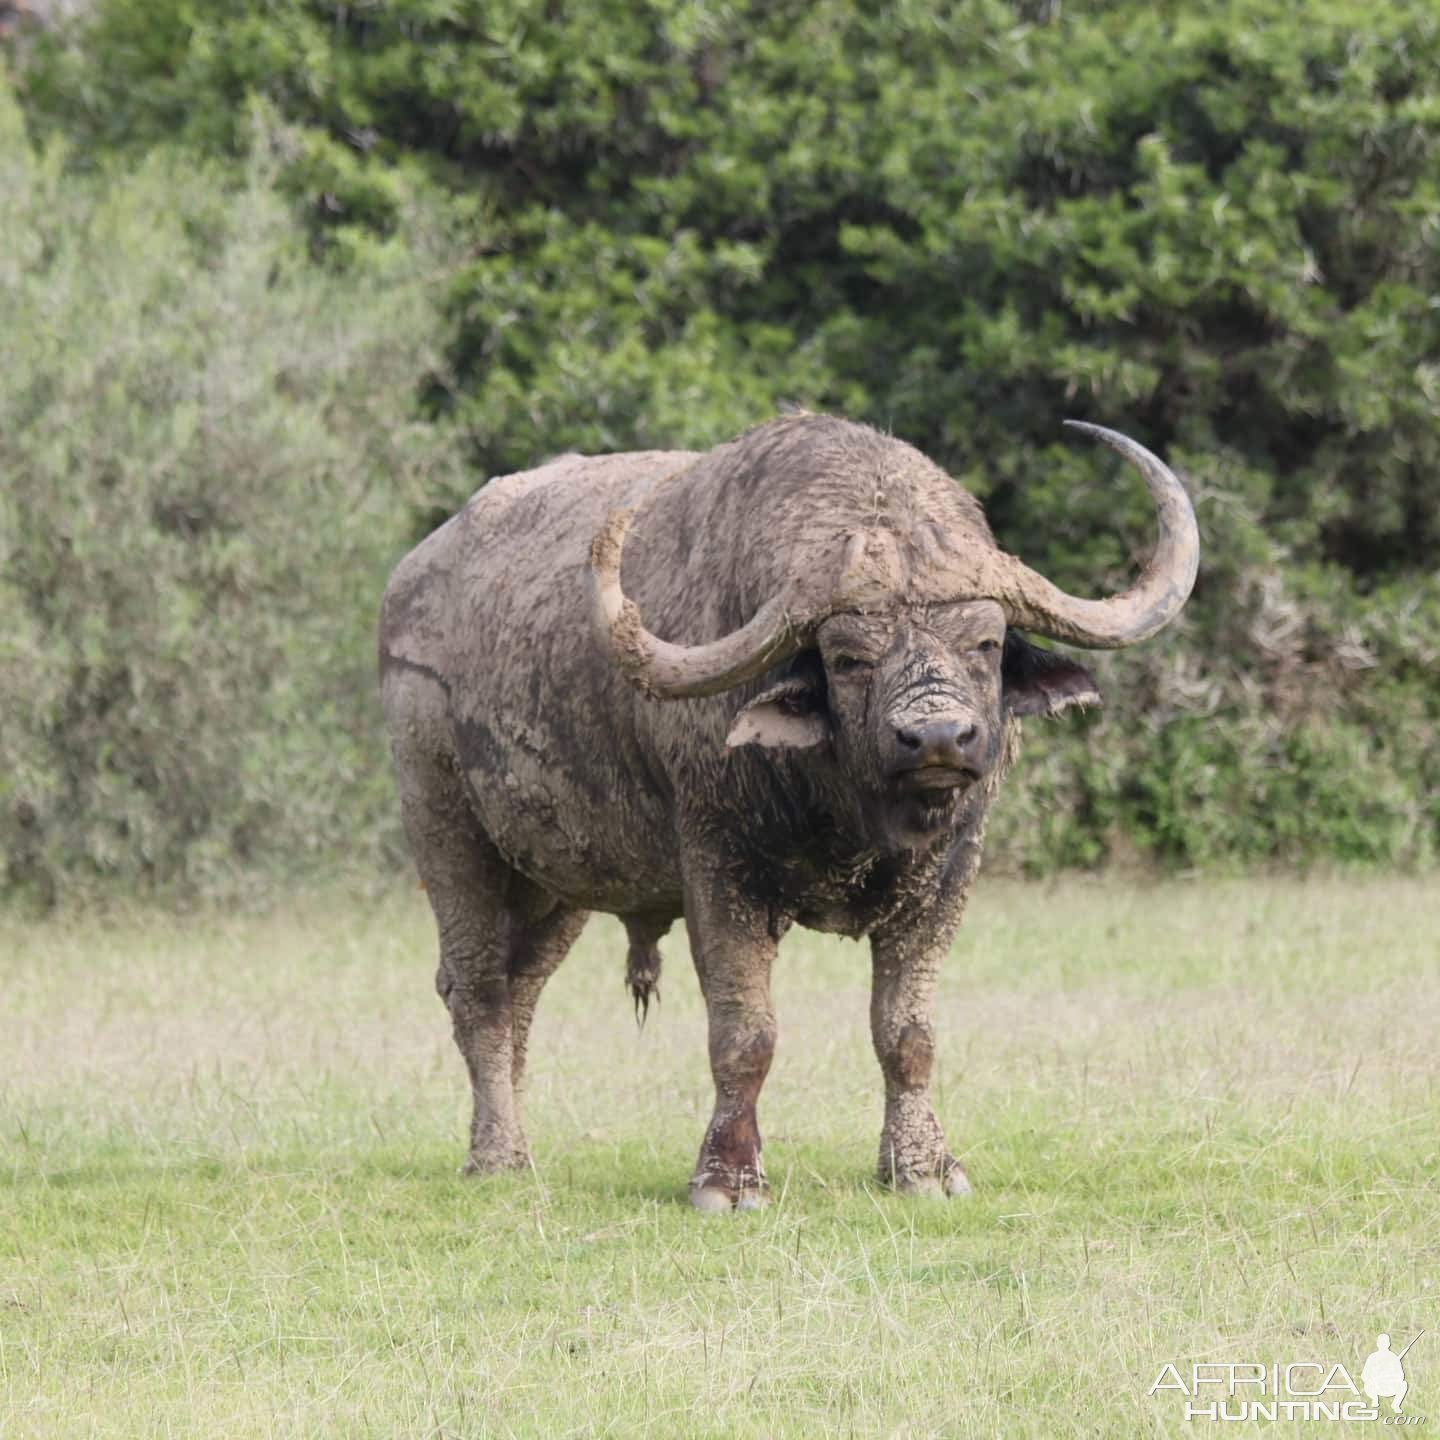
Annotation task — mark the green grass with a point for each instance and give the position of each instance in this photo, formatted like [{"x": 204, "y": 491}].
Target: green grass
[{"x": 1201, "y": 1120}]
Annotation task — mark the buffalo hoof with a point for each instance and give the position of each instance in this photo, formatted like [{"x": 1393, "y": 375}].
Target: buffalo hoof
[
  {"x": 953, "y": 1184},
  {"x": 927, "y": 1187},
  {"x": 711, "y": 1199},
  {"x": 477, "y": 1165},
  {"x": 717, "y": 1199},
  {"x": 957, "y": 1182}
]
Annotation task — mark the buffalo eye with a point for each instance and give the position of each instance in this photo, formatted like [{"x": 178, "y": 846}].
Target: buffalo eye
[{"x": 988, "y": 647}]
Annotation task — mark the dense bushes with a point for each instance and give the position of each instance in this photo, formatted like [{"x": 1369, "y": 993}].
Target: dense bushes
[
  {"x": 1212, "y": 225},
  {"x": 208, "y": 445}
]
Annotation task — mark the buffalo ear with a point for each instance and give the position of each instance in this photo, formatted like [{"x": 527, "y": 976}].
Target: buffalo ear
[
  {"x": 1043, "y": 682},
  {"x": 788, "y": 716}
]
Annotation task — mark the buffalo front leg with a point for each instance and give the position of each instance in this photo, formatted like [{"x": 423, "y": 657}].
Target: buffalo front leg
[
  {"x": 913, "y": 1154},
  {"x": 733, "y": 951}
]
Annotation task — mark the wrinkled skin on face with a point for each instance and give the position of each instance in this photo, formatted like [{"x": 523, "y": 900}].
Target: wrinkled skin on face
[
  {"x": 914, "y": 700},
  {"x": 912, "y": 704}
]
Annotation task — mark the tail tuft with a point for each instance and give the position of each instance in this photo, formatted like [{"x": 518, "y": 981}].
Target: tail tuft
[{"x": 642, "y": 975}]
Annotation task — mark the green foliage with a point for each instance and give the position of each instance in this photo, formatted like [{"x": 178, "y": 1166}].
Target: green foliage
[
  {"x": 1211, "y": 225},
  {"x": 206, "y": 448},
  {"x": 1211, "y": 222}
]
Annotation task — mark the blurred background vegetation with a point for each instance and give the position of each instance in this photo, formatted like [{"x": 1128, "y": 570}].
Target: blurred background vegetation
[{"x": 282, "y": 282}]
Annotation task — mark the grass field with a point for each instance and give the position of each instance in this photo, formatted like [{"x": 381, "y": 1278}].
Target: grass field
[{"x": 1202, "y": 1119}]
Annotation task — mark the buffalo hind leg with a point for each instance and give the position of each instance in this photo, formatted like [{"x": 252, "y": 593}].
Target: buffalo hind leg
[
  {"x": 733, "y": 951},
  {"x": 466, "y": 881},
  {"x": 538, "y": 949},
  {"x": 499, "y": 939},
  {"x": 491, "y": 998},
  {"x": 913, "y": 1154},
  {"x": 491, "y": 985}
]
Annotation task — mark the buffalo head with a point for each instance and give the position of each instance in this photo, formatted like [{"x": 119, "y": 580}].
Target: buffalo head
[
  {"x": 905, "y": 654},
  {"x": 914, "y": 703}
]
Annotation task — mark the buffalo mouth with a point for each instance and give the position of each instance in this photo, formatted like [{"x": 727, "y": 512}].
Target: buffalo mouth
[
  {"x": 934, "y": 781},
  {"x": 925, "y": 801}
]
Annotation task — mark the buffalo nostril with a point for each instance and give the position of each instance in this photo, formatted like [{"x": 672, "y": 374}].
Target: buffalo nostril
[{"x": 942, "y": 742}]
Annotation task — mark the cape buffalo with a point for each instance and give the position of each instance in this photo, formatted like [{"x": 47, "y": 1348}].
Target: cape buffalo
[{"x": 817, "y": 740}]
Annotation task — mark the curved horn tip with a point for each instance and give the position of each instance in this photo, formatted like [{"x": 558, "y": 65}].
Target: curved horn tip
[
  {"x": 1163, "y": 585},
  {"x": 609, "y": 539},
  {"x": 1113, "y": 438},
  {"x": 658, "y": 668}
]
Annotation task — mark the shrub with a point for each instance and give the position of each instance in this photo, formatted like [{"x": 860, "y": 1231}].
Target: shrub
[
  {"x": 206, "y": 447},
  {"x": 1210, "y": 225}
]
